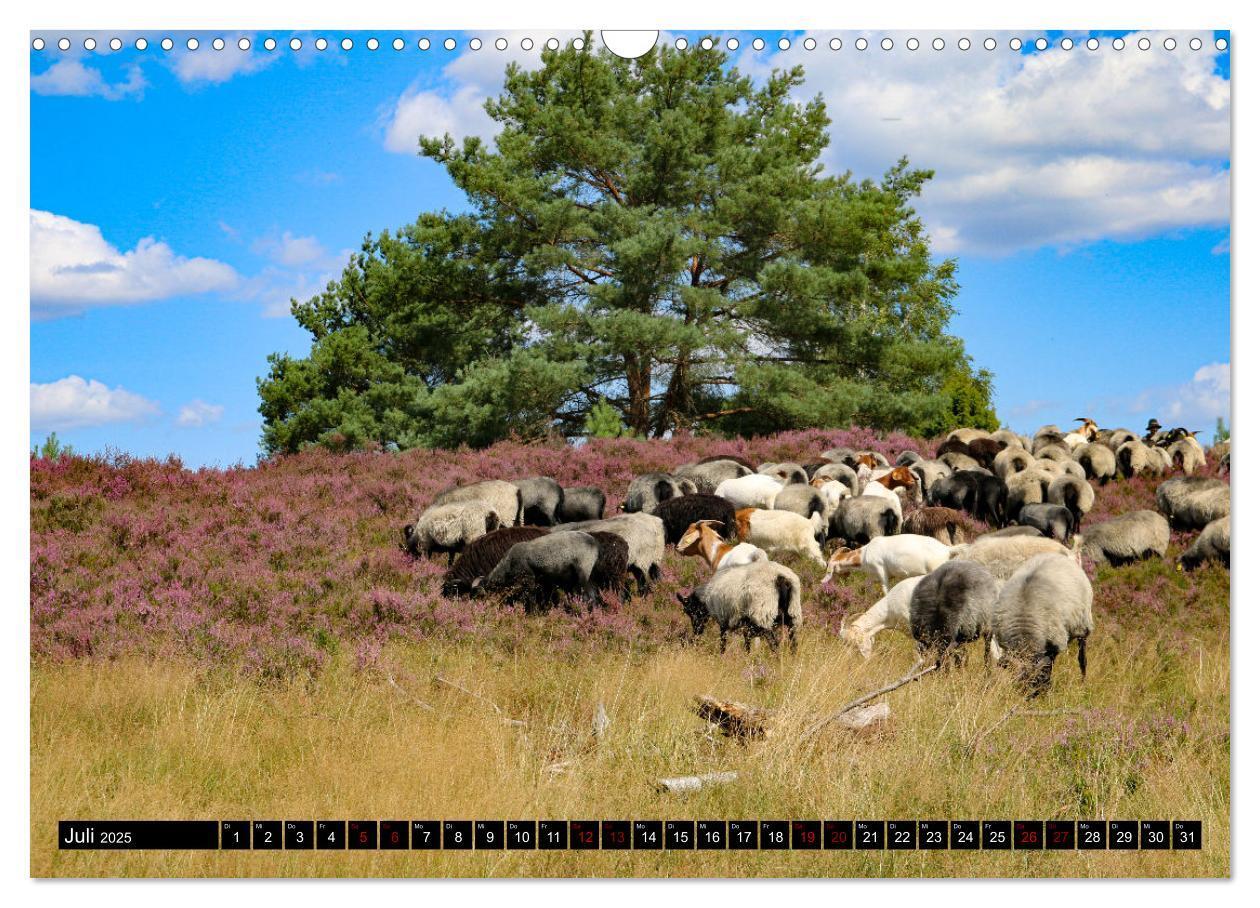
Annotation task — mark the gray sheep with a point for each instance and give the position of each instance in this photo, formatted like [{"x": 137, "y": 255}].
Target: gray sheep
[
  {"x": 1073, "y": 493},
  {"x": 1011, "y": 461},
  {"x": 929, "y": 471},
  {"x": 956, "y": 461},
  {"x": 1212, "y": 545},
  {"x": 1046, "y": 604},
  {"x": 649, "y": 490},
  {"x": 535, "y": 571},
  {"x": 787, "y": 473},
  {"x": 581, "y": 503},
  {"x": 755, "y": 598},
  {"x": 907, "y": 458},
  {"x": 1027, "y": 487},
  {"x": 800, "y": 499},
  {"x": 856, "y": 521},
  {"x": 842, "y": 473},
  {"x": 1053, "y": 521},
  {"x": 503, "y": 497},
  {"x": 951, "y": 606},
  {"x": 644, "y": 533},
  {"x": 1135, "y": 458},
  {"x": 1186, "y": 455},
  {"x": 1127, "y": 538},
  {"x": 707, "y": 476},
  {"x": 1098, "y": 461},
  {"x": 1192, "y": 502},
  {"x": 1008, "y": 438},
  {"x": 541, "y": 498},
  {"x": 448, "y": 528}
]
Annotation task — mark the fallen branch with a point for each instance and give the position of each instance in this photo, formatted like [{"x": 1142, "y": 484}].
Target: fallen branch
[
  {"x": 914, "y": 674},
  {"x": 695, "y": 783},
  {"x": 476, "y": 696},
  {"x": 738, "y": 720},
  {"x": 416, "y": 700}
]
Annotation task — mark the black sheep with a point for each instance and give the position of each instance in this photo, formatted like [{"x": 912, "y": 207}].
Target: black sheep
[
  {"x": 612, "y": 565},
  {"x": 983, "y": 450},
  {"x": 679, "y": 513},
  {"x": 952, "y": 446},
  {"x": 1051, "y": 520},
  {"x": 481, "y": 555}
]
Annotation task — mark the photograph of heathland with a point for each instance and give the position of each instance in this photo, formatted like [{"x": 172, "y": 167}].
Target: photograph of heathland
[{"x": 490, "y": 426}]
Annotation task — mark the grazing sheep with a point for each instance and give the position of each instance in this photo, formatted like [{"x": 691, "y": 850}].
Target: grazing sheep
[
  {"x": 846, "y": 456},
  {"x": 1008, "y": 532},
  {"x": 1186, "y": 455},
  {"x": 649, "y": 490},
  {"x": 781, "y": 531},
  {"x": 481, "y": 555},
  {"x": 1025, "y": 488},
  {"x": 1053, "y": 521},
  {"x": 581, "y": 503},
  {"x": 840, "y": 472},
  {"x": 754, "y": 491},
  {"x": 892, "y": 612},
  {"x": 945, "y": 525},
  {"x": 872, "y": 459},
  {"x": 756, "y": 598},
  {"x": 952, "y": 445},
  {"x": 801, "y": 499},
  {"x": 1053, "y": 467},
  {"x": 832, "y": 491},
  {"x": 707, "y": 476},
  {"x": 1075, "y": 494},
  {"x": 989, "y": 503},
  {"x": 1004, "y": 554},
  {"x": 957, "y": 491},
  {"x": 856, "y": 521},
  {"x": 1058, "y": 453},
  {"x": 534, "y": 572},
  {"x": 715, "y": 458},
  {"x": 1134, "y": 458},
  {"x": 1098, "y": 461},
  {"x": 1114, "y": 438},
  {"x": 448, "y": 528},
  {"x": 504, "y": 498},
  {"x": 929, "y": 471},
  {"x": 1192, "y": 502},
  {"x": 1212, "y": 545},
  {"x": 951, "y": 606},
  {"x": 907, "y": 458},
  {"x": 612, "y": 565},
  {"x": 984, "y": 450},
  {"x": 645, "y": 534},
  {"x": 786, "y": 473},
  {"x": 890, "y": 558},
  {"x": 1045, "y": 605},
  {"x": 956, "y": 461},
  {"x": 968, "y": 434},
  {"x": 1011, "y": 461},
  {"x": 679, "y": 513},
  {"x": 541, "y": 497},
  {"x": 702, "y": 539},
  {"x": 1129, "y": 537},
  {"x": 1009, "y": 438}
]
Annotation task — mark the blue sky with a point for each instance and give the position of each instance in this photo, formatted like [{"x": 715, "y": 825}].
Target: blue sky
[{"x": 180, "y": 198}]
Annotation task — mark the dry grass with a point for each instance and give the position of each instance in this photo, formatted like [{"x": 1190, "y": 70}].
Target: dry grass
[{"x": 1146, "y": 738}]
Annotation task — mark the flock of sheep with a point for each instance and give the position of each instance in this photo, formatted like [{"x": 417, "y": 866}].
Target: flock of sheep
[{"x": 1020, "y": 586}]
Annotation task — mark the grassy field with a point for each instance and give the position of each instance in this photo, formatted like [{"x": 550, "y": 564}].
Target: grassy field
[{"x": 252, "y": 644}]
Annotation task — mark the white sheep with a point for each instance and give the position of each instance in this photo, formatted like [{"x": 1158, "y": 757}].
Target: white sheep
[
  {"x": 833, "y": 491},
  {"x": 890, "y": 558},
  {"x": 449, "y": 527},
  {"x": 755, "y": 598},
  {"x": 781, "y": 531},
  {"x": 755, "y": 490},
  {"x": 1004, "y": 555},
  {"x": 892, "y": 612}
]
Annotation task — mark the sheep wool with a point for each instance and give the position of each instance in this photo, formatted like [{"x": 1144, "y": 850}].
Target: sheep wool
[
  {"x": 481, "y": 555},
  {"x": 951, "y": 606},
  {"x": 503, "y": 497},
  {"x": 1192, "y": 502},
  {"x": 755, "y": 598},
  {"x": 1046, "y": 604},
  {"x": 1129, "y": 537},
  {"x": 449, "y": 527},
  {"x": 1212, "y": 545},
  {"x": 892, "y": 612},
  {"x": 1004, "y": 555}
]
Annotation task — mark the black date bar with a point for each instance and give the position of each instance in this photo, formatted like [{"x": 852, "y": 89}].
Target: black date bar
[{"x": 124, "y": 835}]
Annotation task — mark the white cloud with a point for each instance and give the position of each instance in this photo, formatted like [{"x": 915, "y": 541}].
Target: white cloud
[
  {"x": 1202, "y": 399},
  {"x": 74, "y": 268},
  {"x": 206, "y": 66},
  {"x": 72, "y": 77},
  {"x": 290, "y": 250},
  {"x": 197, "y": 413},
  {"x": 73, "y": 402},
  {"x": 1052, "y": 148},
  {"x": 274, "y": 288},
  {"x": 458, "y": 107}
]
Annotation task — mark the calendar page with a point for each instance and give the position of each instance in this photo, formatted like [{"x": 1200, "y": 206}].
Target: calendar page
[{"x": 676, "y": 453}]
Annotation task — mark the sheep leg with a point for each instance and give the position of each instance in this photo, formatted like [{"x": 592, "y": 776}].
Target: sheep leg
[
  {"x": 721, "y": 639},
  {"x": 772, "y": 638},
  {"x": 639, "y": 577},
  {"x": 792, "y": 638},
  {"x": 749, "y": 633},
  {"x": 1080, "y": 655}
]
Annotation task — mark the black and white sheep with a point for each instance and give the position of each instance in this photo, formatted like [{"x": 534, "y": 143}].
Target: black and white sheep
[
  {"x": 709, "y": 475},
  {"x": 581, "y": 503},
  {"x": 1186, "y": 455},
  {"x": 1075, "y": 494},
  {"x": 534, "y": 572},
  {"x": 787, "y": 473},
  {"x": 929, "y": 471},
  {"x": 481, "y": 555},
  {"x": 1045, "y": 605},
  {"x": 1098, "y": 461},
  {"x": 649, "y": 490},
  {"x": 679, "y": 513},
  {"x": 856, "y": 521},
  {"x": 1009, "y": 438},
  {"x": 1129, "y": 537},
  {"x": 957, "y": 461},
  {"x": 841, "y": 473},
  {"x": 1212, "y": 545},
  {"x": 951, "y": 606},
  {"x": 541, "y": 498},
  {"x": 645, "y": 534},
  {"x": 1053, "y": 521},
  {"x": 449, "y": 528},
  {"x": 755, "y": 598},
  {"x": 1135, "y": 458},
  {"x": 800, "y": 499},
  {"x": 1192, "y": 502},
  {"x": 503, "y": 497}
]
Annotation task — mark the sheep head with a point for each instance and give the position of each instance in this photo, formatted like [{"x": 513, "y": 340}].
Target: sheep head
[{"x": 694, "y": 609}]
